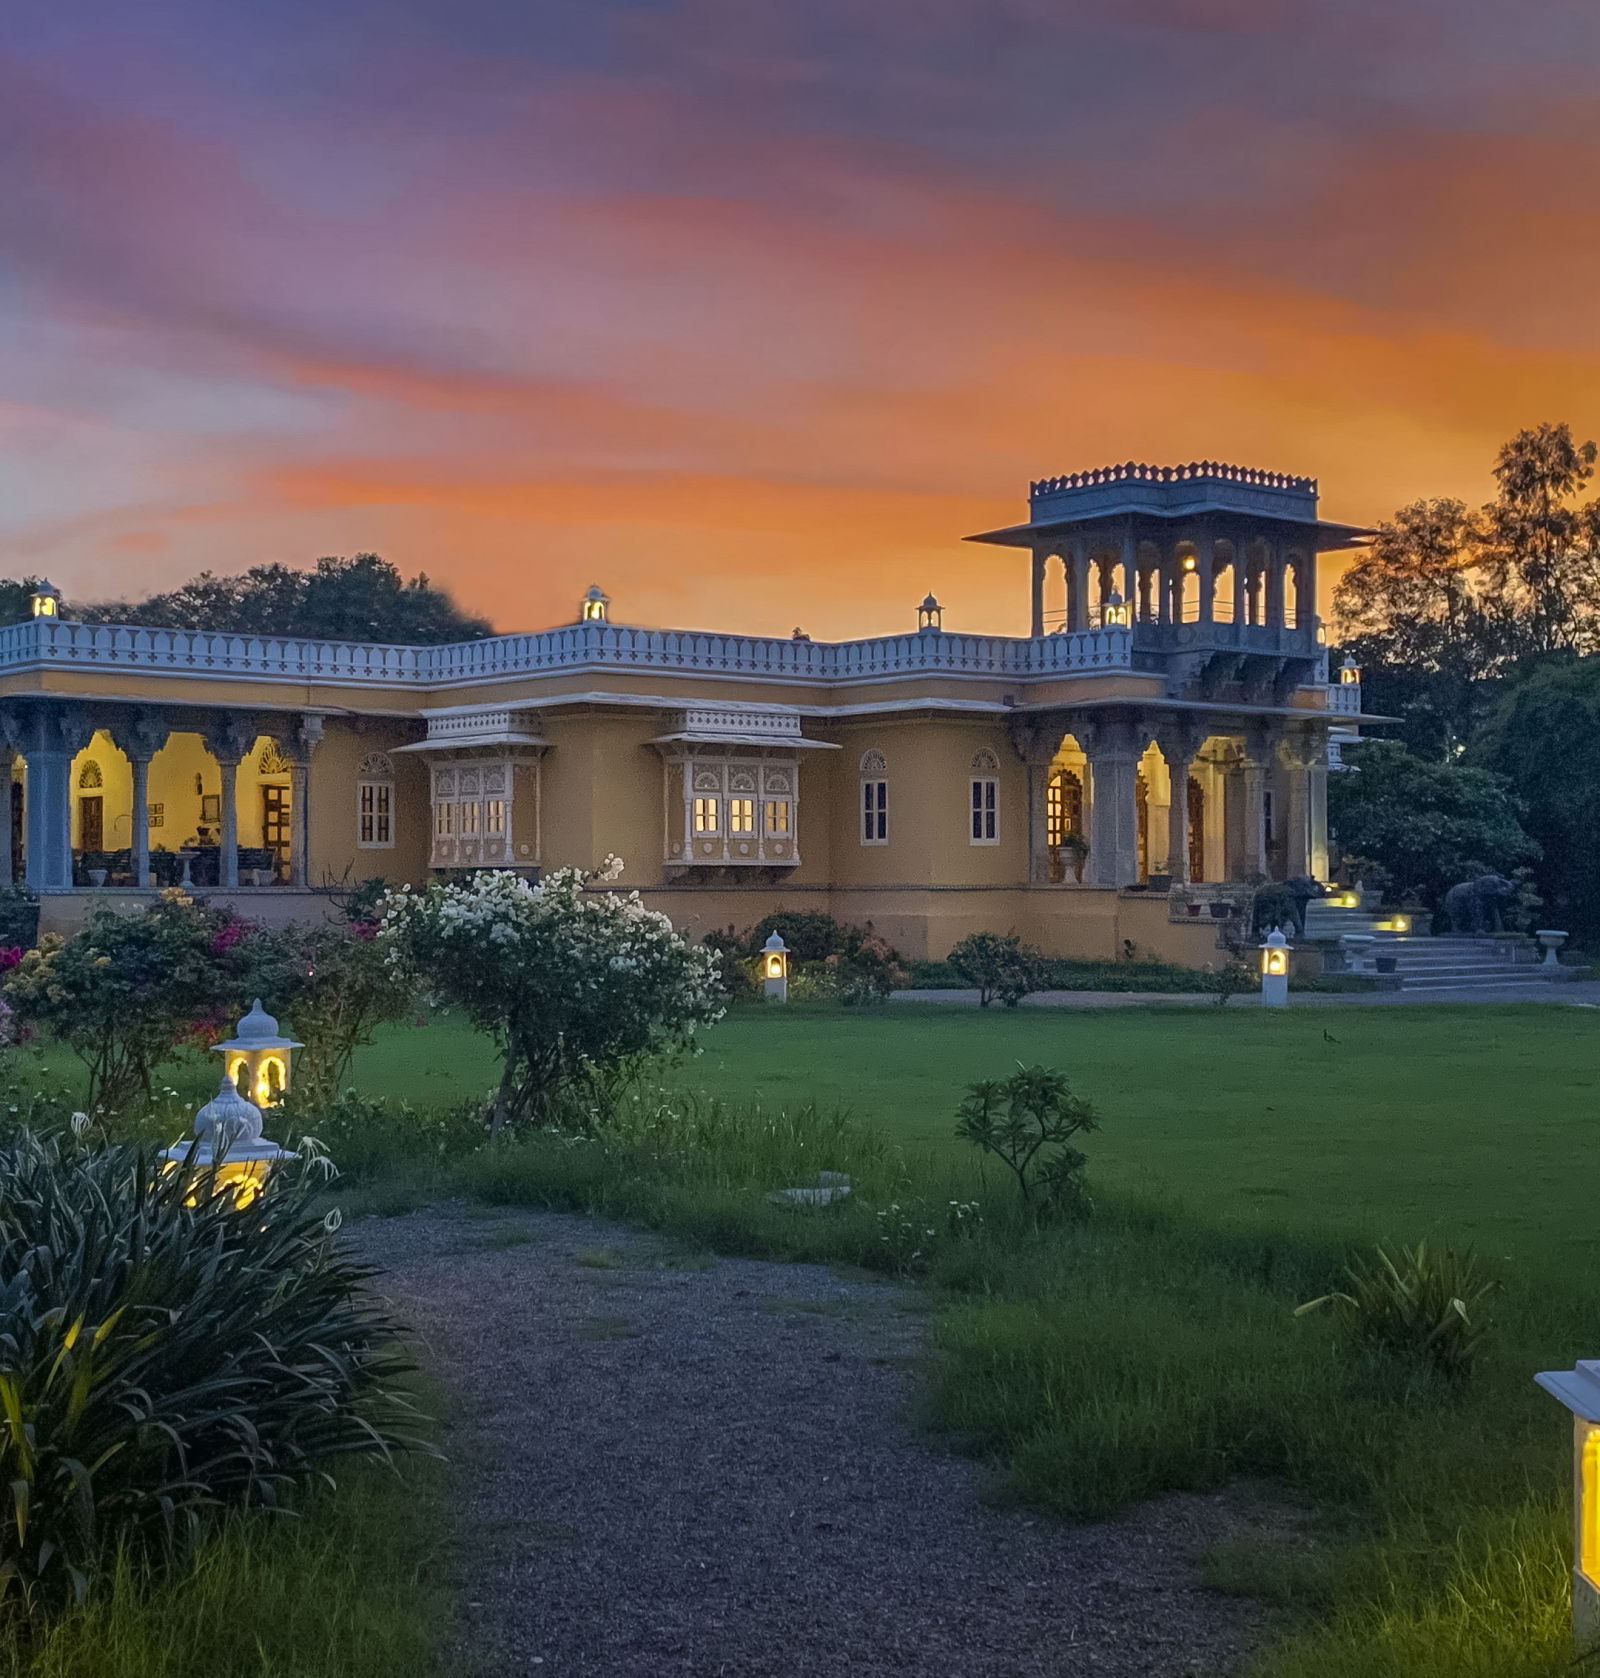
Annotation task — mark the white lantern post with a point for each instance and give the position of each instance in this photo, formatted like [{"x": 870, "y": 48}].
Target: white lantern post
[
  {"x": 1275, "y": 970},
  {"x": 775, "y": 969},
  {"x": 229, "y": 1153},
  {"x": 258, "y": 1049},
  {"x": 1579, "y": 1390}
]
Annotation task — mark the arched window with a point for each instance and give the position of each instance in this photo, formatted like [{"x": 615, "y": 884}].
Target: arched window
[
  {"x": 874, "y": 798},
  {"x": 375, "y": 803},
  {"x": 985, "y": 828}
]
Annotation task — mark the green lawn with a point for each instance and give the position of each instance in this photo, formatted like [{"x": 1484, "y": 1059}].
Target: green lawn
[{"x": 1473, "y": 1123}]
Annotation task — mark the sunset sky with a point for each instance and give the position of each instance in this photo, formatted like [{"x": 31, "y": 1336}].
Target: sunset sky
[{"x": 750, "y": 310}]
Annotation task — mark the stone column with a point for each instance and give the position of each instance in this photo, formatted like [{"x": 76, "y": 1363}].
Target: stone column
[
  {"x": 1275, "y": 569},
  {"x": 8, "y": 764},
  {"x": 1317, "y": 807},
  {"x": 1179, "y": 742},
  {"x": 139, "y": 735},
  {"x": 1130, "y": 568},
  {"x": 1041, "y": 558},
  {"x": 1205, "y": 572},
  {"x": 1305, "y": 590},
  {"x": 1039, "y": 823},
  {"x": 229, "y": 739},
  {"x": 1078, "y": 586},
  {"x": 308, "y": 735},
  {"x": 1258, "y": 754},
  {"x": 1295, "y": 753},
  {"x": 1112, "y": 745},
  {"x": 1244, "y": 600},
  {"x": 53, "y": 736}
]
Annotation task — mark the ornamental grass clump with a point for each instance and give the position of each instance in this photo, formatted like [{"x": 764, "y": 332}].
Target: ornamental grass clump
[
  {"x": 1423, "y": 1308},
  {"x": 576, "y": 983},
  {"x": 160, "y": 1361}
]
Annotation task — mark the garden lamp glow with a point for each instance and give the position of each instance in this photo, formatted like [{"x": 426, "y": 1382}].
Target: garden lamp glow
[
  {"x": 775, "y": 969},
  {"x": 1579, "y": 1390},
  {"x": 1275, "y": 970}
]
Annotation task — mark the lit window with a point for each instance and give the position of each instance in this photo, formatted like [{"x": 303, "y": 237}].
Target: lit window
[
  {"x": 494, "y": 815},
  {"x": 705, "y": 815},
  {"x": 469, "y": 820},
  {"x": 874, "y": 812},
  {"x": 444, "y": 820},
  {"x": 375, "y": 803},
  {"x": 777, "y": 815},
  {"x": 985, "y": 811},
  {"x": 741, "y": 815}
]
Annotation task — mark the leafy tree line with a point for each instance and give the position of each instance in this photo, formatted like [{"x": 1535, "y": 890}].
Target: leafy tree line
[
  {"x": 1480, "y": 631},
  {"x": 359, "y": 599}
]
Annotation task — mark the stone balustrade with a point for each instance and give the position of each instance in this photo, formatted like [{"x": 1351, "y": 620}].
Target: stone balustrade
[{"x": 117, "y": 647}]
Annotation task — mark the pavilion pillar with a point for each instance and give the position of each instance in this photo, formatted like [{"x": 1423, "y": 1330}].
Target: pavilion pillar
[
  {"x": 139, "y": 735},
  {"x": 8, "y": 769},
  {"x": 1041, "y": 558},
  {"x": 1276, "y": 563},
  {"x": 1206, "y": 577},
  {"x": 229, "y": 741},
  {"x": 1130, "y": 572},
  {"x": 1179, "y": 743},
  {"x": 52, "y": 736},
  {"x": 1166, "y": 582},
  {"x": 1078, "y": 586},
  {"x": 1253, "y": 769},
  {"x": 1305, "y": 589},
  {"x": 308, "y": 736},
  {"x": 1112, "y": 746}
]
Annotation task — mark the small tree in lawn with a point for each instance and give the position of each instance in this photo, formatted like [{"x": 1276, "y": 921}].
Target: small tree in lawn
[
  {"x": 999, "y": 966},
  {"x": 125, "y": 992},
  {"x": 331, "y": 985},
  {"x": 1028, "y": 1121},
  {"x": 570, "y": 981}
]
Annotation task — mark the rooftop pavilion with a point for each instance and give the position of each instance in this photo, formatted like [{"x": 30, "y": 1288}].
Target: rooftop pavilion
[{"x": 1208, "y": 561}]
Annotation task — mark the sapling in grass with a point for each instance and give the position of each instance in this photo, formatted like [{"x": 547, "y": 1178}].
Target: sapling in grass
[
  {"x": 1028, "y": 1121},
  {"x": 1422, "y": 1307}
]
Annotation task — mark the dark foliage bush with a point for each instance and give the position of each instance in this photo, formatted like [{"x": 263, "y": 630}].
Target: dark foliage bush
[
  {"x": 160, "y": 1360},
  {"x": 999, "y": 967}
]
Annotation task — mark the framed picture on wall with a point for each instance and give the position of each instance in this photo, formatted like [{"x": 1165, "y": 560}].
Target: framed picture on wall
[{"x": 211, "y": 807}]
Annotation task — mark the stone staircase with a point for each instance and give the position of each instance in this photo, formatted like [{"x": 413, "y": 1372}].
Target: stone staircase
[{"x": 1423, "y": 963}]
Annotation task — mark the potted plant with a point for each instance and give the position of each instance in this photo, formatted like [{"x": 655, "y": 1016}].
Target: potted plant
[{"x": 1075, "y": 848}]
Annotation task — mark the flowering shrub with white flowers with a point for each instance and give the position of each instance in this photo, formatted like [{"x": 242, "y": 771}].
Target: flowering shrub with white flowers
[{"x": 572, "y": 981}]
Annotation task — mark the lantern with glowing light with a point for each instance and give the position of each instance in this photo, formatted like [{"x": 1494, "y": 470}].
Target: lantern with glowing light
[
  {"x": 930, "y": 616},
  {"x": 228, "y": 1155},
  {"x": 594, "y": 605},
  {"x": 1349, "y": 673},
  {"x": 1579, "y": 1390},
  {"x": 1275, "y": 970},
  {"x": 257, "y": 1051},
  {"x": 1116, "y": 610},
  {"x": 775, "y": 969},
  {"x": 46, "y": 601}
]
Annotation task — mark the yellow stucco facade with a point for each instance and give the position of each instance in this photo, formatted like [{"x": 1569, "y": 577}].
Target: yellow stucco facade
[{"x": 1092, "y": 785}]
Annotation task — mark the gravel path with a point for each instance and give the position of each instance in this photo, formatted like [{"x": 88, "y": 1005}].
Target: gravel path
[{"x": 701, "y": 1467}]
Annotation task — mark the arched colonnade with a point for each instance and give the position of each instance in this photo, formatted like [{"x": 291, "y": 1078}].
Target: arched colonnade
[{"x": 1258, "y": 580}]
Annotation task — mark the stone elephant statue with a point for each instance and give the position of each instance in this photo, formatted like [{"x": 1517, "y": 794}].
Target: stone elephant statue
[
  {"x": 1474, "y": 907},
  {"x": 1283, "y": 904}
]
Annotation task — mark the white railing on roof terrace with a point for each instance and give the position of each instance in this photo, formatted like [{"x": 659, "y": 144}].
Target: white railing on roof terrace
[
  {"x": 1345, "y": 697},
  {"x": 1138, "y": 472},
  {"x": 120, "y": 647}
]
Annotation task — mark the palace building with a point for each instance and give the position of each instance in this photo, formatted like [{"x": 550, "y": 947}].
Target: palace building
[{"x": 1149, "y": 749}]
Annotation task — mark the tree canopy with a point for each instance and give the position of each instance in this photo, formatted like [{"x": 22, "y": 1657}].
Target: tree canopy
[
  {"x": 1543, "y": 737},
  {"x": 1429, "y": 825},
  {"x": 1447, "y": 604},
  {"x": 359, "y": 599}
]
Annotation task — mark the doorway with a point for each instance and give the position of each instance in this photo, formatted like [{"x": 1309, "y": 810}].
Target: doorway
[
  {"x": 91, "y": 822},
  {"x": 275, "y": 827}
]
